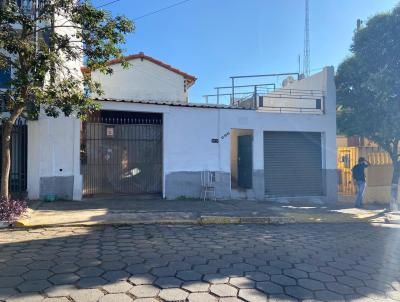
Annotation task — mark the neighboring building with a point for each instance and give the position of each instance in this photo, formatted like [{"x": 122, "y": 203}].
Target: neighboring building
[
  {"x": 145, "y": 79},
  {"x": 148, "y": 138},
  {"x": 29, "y": 142}
]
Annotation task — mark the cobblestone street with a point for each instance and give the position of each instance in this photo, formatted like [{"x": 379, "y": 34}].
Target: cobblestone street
[{"x": 226, "y": 263}]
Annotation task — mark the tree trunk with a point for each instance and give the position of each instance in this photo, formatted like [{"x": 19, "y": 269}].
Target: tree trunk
[
  {"x": 6, "y": 158},
  {"x": 394, "y": 206},
  {"x": 6, "y": 150}
]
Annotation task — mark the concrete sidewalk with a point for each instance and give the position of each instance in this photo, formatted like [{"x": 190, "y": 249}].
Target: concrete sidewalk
[{"x": 127, "y": 210}]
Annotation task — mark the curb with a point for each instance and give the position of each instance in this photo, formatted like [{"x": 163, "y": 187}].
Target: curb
[
  {"x": 246, "y": 220},
  {"x": 203, "y": 220}
]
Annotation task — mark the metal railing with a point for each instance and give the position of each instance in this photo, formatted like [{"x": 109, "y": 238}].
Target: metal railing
[
  {"x": 121, "y": 155},
  {"x": 19, "y": 151},
  {"x": 269, "y": 97},
  {"x": 273, "y": 100}
]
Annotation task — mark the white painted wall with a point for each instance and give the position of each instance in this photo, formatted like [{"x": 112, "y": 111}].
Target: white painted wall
[
  {"x": 53, "y": 150},
  {"x": 63, "y": 26},
  {"x": 143, "y": 80},
  {"x": 188, "y": 131},
  {"x": 53, "y": 144}
]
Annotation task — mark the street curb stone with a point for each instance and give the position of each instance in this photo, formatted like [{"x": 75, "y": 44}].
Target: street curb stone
[{"x": 203, "y": 220}]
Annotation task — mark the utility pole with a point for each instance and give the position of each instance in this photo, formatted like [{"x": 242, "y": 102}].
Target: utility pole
[{"x": 306, "y": 58}]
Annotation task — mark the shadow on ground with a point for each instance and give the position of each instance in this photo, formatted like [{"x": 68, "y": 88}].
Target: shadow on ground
[{"x": 325, "y": 262}]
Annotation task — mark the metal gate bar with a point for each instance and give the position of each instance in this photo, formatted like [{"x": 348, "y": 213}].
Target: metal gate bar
[
  {"x": 19, "y": 148},
  {"x": 122, "y": 156}
]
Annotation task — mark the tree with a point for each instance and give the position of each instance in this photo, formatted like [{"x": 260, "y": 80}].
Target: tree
[
  {"x": 44, "y": 45},
  {"x": 368, "y": 88}
]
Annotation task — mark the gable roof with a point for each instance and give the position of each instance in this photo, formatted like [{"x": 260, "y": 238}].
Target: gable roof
[{"x": 190, "y": 79}]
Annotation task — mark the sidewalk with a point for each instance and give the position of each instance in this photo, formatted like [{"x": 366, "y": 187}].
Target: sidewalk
[{"x": 127, "y": 210}]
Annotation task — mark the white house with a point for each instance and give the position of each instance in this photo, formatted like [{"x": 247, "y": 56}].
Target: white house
[
  {"x": 44, "y": 153},
  {"x": 148, "y": 138},
  {"x": 145, "y": 79}
]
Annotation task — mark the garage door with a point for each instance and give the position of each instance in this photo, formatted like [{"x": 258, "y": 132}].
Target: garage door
[
  {"x": 122, "y": 156},
  {"x": 292, "y": 164}
]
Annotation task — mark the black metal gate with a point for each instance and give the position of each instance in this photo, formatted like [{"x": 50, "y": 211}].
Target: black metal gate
[
  {"x": 121, "y": 156},
  {"x": 19, "y": 143}
]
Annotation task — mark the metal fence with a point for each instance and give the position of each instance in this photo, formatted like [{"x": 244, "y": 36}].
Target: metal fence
[
  {"x": 346, "y": 159},
  {"x": 121, "y": 156},
  {"x": 19, "y": 148}
]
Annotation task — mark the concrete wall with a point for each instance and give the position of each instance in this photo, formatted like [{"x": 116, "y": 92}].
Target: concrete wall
[
  {"x": 379, "y": 179},
  {"x": 143, "y": 80},
  {"x": 54, "y": 158},
  {"x": 188, "y": 132},
  {"x": 378, "y": 174}
]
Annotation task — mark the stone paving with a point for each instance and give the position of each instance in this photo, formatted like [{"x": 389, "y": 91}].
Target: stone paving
[{"x": 226, "y": 263}]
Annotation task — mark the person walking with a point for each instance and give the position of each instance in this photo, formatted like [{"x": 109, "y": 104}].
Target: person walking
[{"x": 358, "y": 172}]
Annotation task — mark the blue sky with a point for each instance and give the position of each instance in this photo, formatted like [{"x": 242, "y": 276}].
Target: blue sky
[{"x": 215, "y": 39}]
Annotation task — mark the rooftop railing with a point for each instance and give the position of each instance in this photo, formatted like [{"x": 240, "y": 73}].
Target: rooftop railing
[
  {"x": 280, "y": 100},
  {"x": 269, "y": 97}
]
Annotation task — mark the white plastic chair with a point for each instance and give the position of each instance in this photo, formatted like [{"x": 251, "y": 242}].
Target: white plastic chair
[{"x": 208, "y": 185}]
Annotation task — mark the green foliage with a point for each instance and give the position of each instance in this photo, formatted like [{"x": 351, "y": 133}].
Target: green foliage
[
  {"x": 41, "y": 46},
  {"x": 368, "y": 83}
]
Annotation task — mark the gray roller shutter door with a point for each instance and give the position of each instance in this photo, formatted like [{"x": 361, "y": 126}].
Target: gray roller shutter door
[{"x": 292, "y": 164}]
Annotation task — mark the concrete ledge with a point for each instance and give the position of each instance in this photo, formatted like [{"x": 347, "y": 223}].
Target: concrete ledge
[
  {"x": 203, "y": 220},
  {"x": 246, "y": 220},
  {"x": 219, "y": 220},
  {"x": 26, "y": 224},
  {"x": 268, "y": 220}
]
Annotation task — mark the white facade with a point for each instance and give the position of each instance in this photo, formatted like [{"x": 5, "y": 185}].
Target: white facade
[
  {"x": 187, "y": 131},
  {"x": 54, "y": 157},
  {"x": 145, "y": 79},
  {"x": 54, "y": 144},
  {"x": 53, "y": 162}
]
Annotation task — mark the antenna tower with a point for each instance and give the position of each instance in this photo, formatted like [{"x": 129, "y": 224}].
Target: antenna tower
[{"x": 306, "y": 58}]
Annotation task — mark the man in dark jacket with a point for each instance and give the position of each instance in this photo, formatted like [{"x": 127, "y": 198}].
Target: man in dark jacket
[{"x": 359, "y": 179}]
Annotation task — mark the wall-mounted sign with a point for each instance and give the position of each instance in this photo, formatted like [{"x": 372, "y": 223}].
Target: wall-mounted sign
[{"x": 110, "y": 131}]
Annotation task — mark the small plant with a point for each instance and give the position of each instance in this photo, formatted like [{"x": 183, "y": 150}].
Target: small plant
[{"x": 12, "y": 209}]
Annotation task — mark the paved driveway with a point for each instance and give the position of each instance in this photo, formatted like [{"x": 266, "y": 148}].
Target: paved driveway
[{"x": 329, "y": 262}]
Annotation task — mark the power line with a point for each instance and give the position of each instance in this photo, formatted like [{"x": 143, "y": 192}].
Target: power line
[
  {"x": 108, "y": 3},
  {"x": 149, "y": 13},
  {"x": 160, "y": 10}
]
